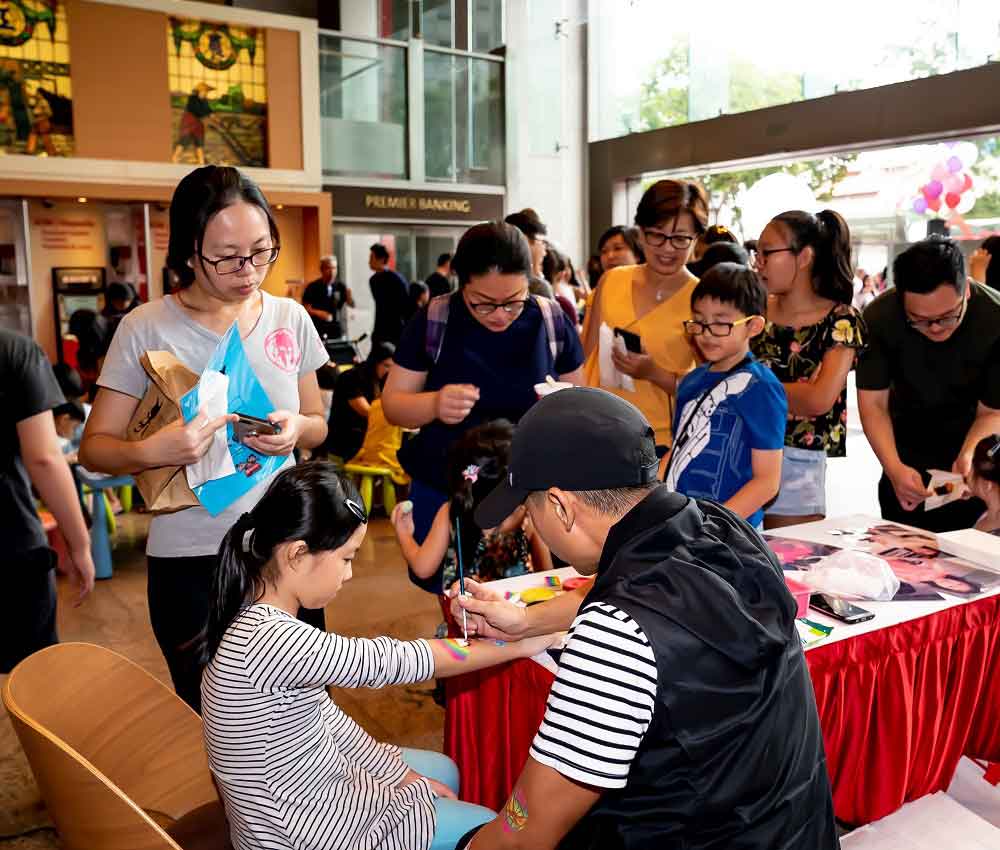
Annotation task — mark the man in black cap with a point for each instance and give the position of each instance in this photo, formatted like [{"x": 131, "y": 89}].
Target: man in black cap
[{"x": 682, "y": 714}]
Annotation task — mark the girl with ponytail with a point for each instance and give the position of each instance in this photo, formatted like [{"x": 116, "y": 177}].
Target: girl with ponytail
[
  {"x": 476, "y": 464},
  {"x": 293, "y": 769},
  {"x": 810, "y": 341}
]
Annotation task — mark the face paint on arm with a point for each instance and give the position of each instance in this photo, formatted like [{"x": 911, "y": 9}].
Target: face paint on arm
[
  {"x": 515, "y": 813},
  {"x": 457, "y": 649}
]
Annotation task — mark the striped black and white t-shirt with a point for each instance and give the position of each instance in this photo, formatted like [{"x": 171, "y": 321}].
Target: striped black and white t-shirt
[
  {"x": 601, "y": 702},
  {"x": 294, "y": 770}
]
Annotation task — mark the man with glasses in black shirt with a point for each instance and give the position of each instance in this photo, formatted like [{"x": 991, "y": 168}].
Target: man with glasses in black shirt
[{"x": 929, "y": 382}]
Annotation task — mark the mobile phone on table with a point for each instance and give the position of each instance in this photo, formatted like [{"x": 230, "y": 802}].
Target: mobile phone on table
[
  {"x": 633, "y": 342},
  {"x": 253, "y": 426},
  {"x": 839, "y": 609}
]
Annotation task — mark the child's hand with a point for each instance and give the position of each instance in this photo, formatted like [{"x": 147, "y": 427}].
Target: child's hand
[
  {"x": 440, "y": 789},
  {"x": 402, "y": 521}
]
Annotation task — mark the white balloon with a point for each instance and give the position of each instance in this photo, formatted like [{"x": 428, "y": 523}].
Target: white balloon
[
  {"x": 967, "y": 203},
  {"x": 776, "y": 193},
  {"x": 967, "y": 152}
]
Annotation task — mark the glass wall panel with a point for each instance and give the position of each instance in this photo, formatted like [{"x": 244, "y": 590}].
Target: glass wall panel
[
  {"x": 437, "y": 22},
  {"x": 485, "y": 25},
  {"x": 363, "y": 108},
  {"x": 661, "y": 64},
  {"x": 463, "y": 119}
]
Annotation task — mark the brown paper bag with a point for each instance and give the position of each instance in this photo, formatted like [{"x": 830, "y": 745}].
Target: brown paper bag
[{"x": 163, "y": 488}]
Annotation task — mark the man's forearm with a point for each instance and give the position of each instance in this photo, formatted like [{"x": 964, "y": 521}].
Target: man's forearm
[
  {"x": 53, "y": 479},
  {"x": 556, "y": 615},
  {"x": 984, "y": 425}
]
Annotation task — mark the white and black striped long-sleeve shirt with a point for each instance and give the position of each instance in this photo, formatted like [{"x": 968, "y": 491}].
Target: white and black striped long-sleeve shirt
[
  {"x": 294, "y": 770},
  {"x": 601, "y": 702}
]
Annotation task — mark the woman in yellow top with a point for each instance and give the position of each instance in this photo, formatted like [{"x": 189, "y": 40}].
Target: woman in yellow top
[{"x": 651, "y": 300}]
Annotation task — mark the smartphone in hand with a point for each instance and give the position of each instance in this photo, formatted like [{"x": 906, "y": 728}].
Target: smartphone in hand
[
  {"x": 839, "y": 609},
  {"x": 252, "y": 426},
  {"x": 633, "y": 342}
]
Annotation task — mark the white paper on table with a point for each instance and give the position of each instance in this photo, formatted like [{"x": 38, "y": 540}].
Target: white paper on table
[
  {"x": 611, "y": 378},
  {"x": 213, "y": 396}
]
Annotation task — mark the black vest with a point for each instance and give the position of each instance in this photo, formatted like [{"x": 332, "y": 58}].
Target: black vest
[{"x": 733, "y": 758}]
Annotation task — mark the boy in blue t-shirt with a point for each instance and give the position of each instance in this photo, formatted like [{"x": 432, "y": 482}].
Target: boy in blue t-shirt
[{"x": 729, "y": 428}]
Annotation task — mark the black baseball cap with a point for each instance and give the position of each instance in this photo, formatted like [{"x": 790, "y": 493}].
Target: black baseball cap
[{"x": 574, "y": 439}]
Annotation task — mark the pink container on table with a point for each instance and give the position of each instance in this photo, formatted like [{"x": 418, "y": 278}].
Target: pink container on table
[{"x": 801, "y": 593}]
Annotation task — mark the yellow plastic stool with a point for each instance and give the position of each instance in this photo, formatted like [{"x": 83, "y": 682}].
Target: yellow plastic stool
[{"x": 366, "y": 484}]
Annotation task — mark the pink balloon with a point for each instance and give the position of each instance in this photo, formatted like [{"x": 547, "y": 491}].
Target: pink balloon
[
  {"x": 939, "y": 172},
  {"x": 954, "y": 183},
  {"x": 967, "y": 183},
  {"x": 954, "y": 164},
  {"x": 934, "y": 204},
  {"x": 919, "y": 206},
  {"x": 933, "y": 190}
]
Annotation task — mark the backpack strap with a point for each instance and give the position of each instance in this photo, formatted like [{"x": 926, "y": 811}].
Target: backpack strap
[
  {"x": 547, "y": 306},
  {"x": 437, "y": 321}
]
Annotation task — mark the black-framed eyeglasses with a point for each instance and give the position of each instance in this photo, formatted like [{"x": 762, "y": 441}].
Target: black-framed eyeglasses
[
  {"x": 356, "y": 509},
  {"x": 761, "y": 255},
  {"x": 657, "y": 238},
  {"x": 692, "y": 327},
  {"x": 487, "y": 308},
  {"x": 231, "y": 265},
  {"x": 948, "y": 320}
]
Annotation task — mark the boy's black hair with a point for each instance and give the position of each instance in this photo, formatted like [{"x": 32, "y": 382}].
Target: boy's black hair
[
  {"x": 71, "y": 409},
  {"x": 927, "y": 264},
  {"x": 444, "y": 258},
  {"x": 733, "y": 284},
  {"x": 380, "y": 252}
]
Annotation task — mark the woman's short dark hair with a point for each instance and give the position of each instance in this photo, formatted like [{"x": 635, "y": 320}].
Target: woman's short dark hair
[
  {"x": 197, "y": 198},
  {"x": 528, "y": 222},
  {"x": 735, "y": 284},
  {"x": 380, "y": 252},
  {"x": 629, "y": 234},
  {"x": 491, "y": 247},
  {"x": 667, "y": 199},
  {"x": 307, "y": 502},
  {"x": 830, "y": 238},
  {"x": 927, "y": 264}
]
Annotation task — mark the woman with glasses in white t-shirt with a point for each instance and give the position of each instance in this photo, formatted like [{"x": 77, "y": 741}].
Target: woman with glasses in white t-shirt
[{"x": 223, "y": 240}]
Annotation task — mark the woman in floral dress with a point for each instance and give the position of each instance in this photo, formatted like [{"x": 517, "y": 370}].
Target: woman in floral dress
[{"x": 810, "y": 341}]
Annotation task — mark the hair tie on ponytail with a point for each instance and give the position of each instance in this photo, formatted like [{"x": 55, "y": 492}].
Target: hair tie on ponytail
[{"x": 246, "y": 521}]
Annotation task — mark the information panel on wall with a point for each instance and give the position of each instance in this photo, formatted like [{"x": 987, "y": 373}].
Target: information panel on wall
[
  {"x": 218, "y": 93},
  {"x": 36, "y": 107}
]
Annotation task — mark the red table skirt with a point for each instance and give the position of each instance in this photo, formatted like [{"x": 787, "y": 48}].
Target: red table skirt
[{"x": 899, "y": 707}]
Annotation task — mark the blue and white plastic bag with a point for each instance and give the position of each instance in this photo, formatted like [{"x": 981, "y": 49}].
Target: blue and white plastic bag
[{"x": 229, "y": 470}]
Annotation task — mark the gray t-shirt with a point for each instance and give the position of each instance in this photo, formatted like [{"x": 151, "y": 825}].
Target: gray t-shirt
[{"x": 281, "y": 348}]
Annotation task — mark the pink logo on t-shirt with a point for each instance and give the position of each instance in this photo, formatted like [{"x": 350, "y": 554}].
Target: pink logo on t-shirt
[{"x": 282, "y": 349}]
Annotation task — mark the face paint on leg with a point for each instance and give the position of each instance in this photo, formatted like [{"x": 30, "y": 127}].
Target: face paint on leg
[
  {"x": 457, "y": 649},
  {"x": 515, "y": 813}
]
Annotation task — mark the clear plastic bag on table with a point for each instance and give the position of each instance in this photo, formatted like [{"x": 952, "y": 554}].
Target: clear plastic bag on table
[{"x": 853, "y": 575}]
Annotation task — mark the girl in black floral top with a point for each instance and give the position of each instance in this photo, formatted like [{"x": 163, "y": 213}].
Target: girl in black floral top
[{"x": 810, "y": 342}]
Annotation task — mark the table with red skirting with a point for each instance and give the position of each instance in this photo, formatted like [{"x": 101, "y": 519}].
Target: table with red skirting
[{"x": 900, "y": 702}]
